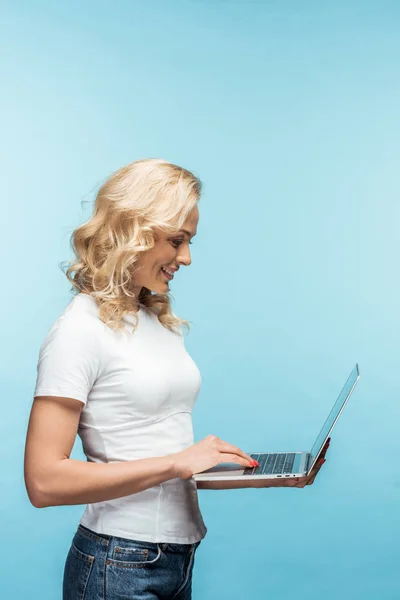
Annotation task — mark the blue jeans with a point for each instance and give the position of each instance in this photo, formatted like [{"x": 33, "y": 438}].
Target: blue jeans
[{"x": 103, "y": 567}]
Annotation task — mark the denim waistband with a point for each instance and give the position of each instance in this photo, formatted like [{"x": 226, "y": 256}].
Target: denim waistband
[{"x": 105, "y": 540}]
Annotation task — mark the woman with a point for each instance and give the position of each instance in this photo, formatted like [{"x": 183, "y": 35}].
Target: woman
[{"x": 114, "y": 369}]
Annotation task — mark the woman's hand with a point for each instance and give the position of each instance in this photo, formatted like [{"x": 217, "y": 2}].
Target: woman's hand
[
  {"x": 309, "y": 480},
  {"x": 207, "y": 454},
  {"x": 298, "y": 482}
]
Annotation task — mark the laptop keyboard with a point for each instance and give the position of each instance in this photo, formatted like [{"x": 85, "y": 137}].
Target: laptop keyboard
[{"x": 271, "y": 464}]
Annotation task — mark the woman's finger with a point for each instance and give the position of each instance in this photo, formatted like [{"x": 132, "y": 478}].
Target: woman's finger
[
  {"x": 323, "y": 453},
  {"x": 311, "y": 479},
  {"x": 302, "y": 482},
  {"x": 318, "y": 465},
  {"x": 289, "y": 483},
  {"x": 231, "y": 449},
  {"x": 325, "y": 449},
  {"x": 315, "y": 472},
  {"x": 226, "y": 457}
]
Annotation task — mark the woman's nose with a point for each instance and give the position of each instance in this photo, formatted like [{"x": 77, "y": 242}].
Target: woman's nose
[{"x": 184, "y": 258}]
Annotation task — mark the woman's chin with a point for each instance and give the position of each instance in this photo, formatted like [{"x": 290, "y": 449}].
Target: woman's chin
[{"x": 159, "y": 287}]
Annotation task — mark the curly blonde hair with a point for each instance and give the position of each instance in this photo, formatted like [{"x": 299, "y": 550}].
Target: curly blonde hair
[{"x": 145, "y": 195}]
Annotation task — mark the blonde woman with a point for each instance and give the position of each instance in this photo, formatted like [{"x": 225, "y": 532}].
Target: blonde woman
[{"x": 114, "y": 369}]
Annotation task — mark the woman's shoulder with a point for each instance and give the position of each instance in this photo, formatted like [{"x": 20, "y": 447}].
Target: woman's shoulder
[{"x": 79, "y": 320}]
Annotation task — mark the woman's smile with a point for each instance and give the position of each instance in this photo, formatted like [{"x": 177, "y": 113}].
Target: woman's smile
[{"x": 167, "y": 273}]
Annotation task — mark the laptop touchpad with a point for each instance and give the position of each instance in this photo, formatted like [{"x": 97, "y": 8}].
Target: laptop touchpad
[{"x": 225, "y": 469}]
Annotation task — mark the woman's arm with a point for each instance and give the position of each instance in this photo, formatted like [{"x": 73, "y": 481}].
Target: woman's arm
[{"x": 52, "y": 478}]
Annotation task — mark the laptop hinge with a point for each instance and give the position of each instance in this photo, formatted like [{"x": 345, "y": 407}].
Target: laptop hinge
[{"x": 309, "y": 461}]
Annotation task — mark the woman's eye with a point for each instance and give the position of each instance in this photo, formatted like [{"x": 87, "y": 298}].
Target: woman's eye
[{"x": 178, "y": 242}]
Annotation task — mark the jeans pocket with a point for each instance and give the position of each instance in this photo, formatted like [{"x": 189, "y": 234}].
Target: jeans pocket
[
  {"x": 78, "y": 567},
  {"x": 136, "y": 570},
  {"x": 136, "y": 556}
]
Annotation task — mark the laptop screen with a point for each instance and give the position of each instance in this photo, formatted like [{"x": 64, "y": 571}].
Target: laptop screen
[{"x": 334, "y": 414}]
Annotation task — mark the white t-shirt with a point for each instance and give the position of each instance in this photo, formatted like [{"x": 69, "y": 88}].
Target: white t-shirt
[{"x": 138, "y": 392}]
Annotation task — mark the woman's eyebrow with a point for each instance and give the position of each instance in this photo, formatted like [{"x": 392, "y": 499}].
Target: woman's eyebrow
[{"x": 188, "y": 232}]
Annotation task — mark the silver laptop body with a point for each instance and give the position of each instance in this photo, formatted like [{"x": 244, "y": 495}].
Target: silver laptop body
[{"x": 285, "y": 464}]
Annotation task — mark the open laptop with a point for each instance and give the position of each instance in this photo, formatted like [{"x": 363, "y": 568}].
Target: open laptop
[{"x": 285, "y": 464}]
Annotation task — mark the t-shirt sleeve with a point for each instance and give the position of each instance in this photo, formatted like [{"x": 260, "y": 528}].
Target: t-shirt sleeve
[{"x": 69, "y": 360}]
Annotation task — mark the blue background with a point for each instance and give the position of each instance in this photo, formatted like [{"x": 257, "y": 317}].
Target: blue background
[{"x": 289, "y": 113}]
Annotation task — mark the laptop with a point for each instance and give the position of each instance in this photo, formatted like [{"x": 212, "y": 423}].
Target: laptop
[{"x": 285, "y": 464}]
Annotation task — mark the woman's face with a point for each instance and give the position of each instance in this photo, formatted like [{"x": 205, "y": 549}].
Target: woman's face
[{"x": 170, "y": 252}]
